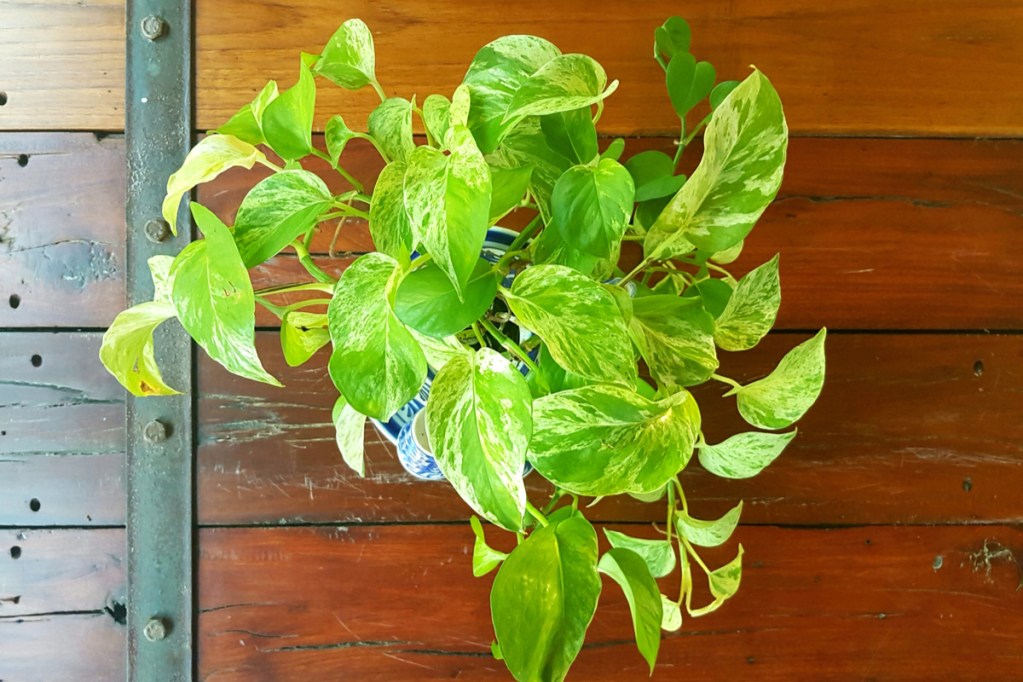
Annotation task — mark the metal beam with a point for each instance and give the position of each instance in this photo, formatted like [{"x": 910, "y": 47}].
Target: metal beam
[{"x": 160, "y": 438}]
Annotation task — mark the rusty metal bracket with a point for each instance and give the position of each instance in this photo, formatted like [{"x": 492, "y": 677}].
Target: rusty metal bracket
[{"x": 160, "y": 437}]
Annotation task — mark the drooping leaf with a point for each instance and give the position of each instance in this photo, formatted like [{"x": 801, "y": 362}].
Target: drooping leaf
[
  {"x": 448, "y": 202},
  {"x": 510, "y": 186},
  {"x": 437, "y": 116},
  {"x": 745, "y": 454},
  {"x": 247, "y": 124},
  {"x": 653, "y": 173},
  {"x": 607, "y": 440},
  {"x": 390, "y": 124},
  {"x": 376, "y": 364},
  {"x": 659, "y": 555},
  {"x": 591, "y": 206},
  {"x": 688, "y": 82},
  {"x": 566, "y": 82},
  {"x": 439, "y": 352},
  {"x": 724, "y": 583},
  {"x": 288, "y": 120},
  {"x": 671, "y": 615},
  {"x": 577, "y": 319},
  {"x": 526, "y": 146},
  {"x": 427, "y": 300},
  {"x": 572, "y": 134},
  {"x": 337, "y": 135},
  {"x": 676, "y": 338},
  {"x": 479, "y": 420},
  {"x": 493, "y": 78},
  {"x": 484, "y": 557},
  {"x": 277, "y": 211},
  {"x": 348, "y": 59},
  {"x": 302, "y": 334},
  {"x": 629, "y": 570},
  {"x": 751, "y": 310},
  {"x": 210, "y": 157},
  {"x": 350, "y": 433},
  {"x": 544, "y": 597},
  {"x": 389, "y": 224},
  {"x": 128, "y": 353},
  {"x": 708, "y": 533},
  {"x": 739, "y": 175},
  {"x": 214, "y": 300},
  {"x": 672, "y": 38},
  {"x": 783, "y": 396}
]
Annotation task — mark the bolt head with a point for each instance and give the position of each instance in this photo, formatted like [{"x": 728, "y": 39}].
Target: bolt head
[
  {"x": 155, "y": 630},
  {"x": 155, "y": 431},
  {"x": 153, "y": 27},
  {"x": 157, "y": 230}
]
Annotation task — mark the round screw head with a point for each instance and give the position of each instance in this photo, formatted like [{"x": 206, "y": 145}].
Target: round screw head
[
  {"x": 153, "y": 27},
  {"x": 157, "y": 230},
  {"x": 155, "y": 431},
  {"x": 155, "y": 630}
]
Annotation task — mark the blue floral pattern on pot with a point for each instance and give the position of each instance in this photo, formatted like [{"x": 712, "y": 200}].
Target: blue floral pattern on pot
[{"x": 400, "y": 428}]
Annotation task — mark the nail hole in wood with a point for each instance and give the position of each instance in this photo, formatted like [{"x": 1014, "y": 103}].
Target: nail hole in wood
[
  {"x": 978, "y": 368},
  {"x": 23, "y": 160},
  {"x": 967, "y": 484},
  {"x": 14, "y": 300},
  {"x": 3, "y": 98},
  {"x": 37, "y": 360},
  {"x": 15, "y": 552},
  {"x": 35, "y": 505}
]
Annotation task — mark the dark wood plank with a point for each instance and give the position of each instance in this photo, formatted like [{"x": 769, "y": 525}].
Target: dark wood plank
[
  {"x": 61, "y": 228},
  {"x": 61, "y": 432},
  {"x": 400, "y": 602},
  {"x": 63, "y": 64},
  {"x": 906, "y": 431},
  {"x": 866, "y": 67},
  {"x": 61, "y": 605},
  {"x": 889, "y": 234}
]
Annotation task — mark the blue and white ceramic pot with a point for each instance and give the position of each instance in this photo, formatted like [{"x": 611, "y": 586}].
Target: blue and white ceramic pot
[{"x": 407, "y": 428}]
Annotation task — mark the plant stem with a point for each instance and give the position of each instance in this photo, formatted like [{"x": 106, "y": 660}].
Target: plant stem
[
  {"x": 303, "y": 286},
  {"x": 537, "y": 514},
  {"x": 380, "y": 91},
  {"x": 635, "y": 271},
  {"x": 692, "y": 552},
  {"x": 725, "y": 380},
  {"x": 528, "y": 231},
  {"x": 345, "y": 174},
  {"x": 699, "y": 126},
  {"x": 479, "y": 335},
  {"x": 376, "y": 145},
  {"x": 270, "y": 164},
  {"x": 311, "y": 267},
  {"x": 671, "y": 509},
  {"x": 681, "y": 495},
  {"x": 509, "y": 345}
]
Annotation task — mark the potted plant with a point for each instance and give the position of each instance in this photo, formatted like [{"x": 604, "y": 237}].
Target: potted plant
[{"x": 547, "y": 352}]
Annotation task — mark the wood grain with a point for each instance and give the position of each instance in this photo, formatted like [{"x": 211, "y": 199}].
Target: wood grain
[
  {"x": 63, "y": 64},
  {"x": 400, "y": 602},
  {"x": 61, "y": 229},
  {"x": 905, "y": 425},
  {"x": 61, "y": 432},
  {"x": 61, "y": 605}
]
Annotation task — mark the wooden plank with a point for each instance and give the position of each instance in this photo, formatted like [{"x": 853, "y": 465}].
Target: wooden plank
[
  {"x": 909, "y": 429},
  {"x": 864, "y": 67},
  {"x": 888, "y": 602},
  {"x": 889, "y": 234},
  {"x": 61, "y": 432},
  {"x": 63, "y": 64},
  {"x": 62, "y": 605},
  {"x": 61, "y": 228}
]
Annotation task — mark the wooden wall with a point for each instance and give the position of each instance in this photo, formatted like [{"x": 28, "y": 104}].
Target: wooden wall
[{"x": 884, "y": 544}]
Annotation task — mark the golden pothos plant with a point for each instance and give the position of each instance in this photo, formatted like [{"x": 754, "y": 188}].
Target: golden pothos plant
[{"x": 538, "y": 354}]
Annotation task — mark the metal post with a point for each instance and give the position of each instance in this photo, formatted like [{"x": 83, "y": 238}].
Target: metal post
[{"x": 160, "y": 442}]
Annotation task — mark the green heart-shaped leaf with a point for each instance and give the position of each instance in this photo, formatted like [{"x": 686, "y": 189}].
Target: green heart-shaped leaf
[
  {"x": 288, "y": 119},
  {"x": 783, "y": 396},
  {"x": 592, "y": 205},
  {"x": 751, "y": 309},
  {"x": 427, "y": 300},
  {"x": 247, "y": 124},
  {"x": 484, "y": 557},
  {"x": 302, "y": 334},
  {"x": 688, "y": 82},
  {"x": 390, "y": 124}
]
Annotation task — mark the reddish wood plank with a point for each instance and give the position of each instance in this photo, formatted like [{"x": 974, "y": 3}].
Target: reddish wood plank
[
  {"x": 61, "y": 432},
  {"x": 903, "y": 427},
  {"x": 399, "y": 602},
  {"x": 880, "y": 81},
  {"x": 889, "y": 234},
  {"x": 62, "y": 605},
  {"x": 63, "y": 64},
  {"x": 61, "y": 229}
]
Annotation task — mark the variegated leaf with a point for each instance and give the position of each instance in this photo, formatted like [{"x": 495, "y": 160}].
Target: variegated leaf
[
  {"x": 479, "y": 421},
  {"x": 247, "y": 124},
  {"x": 745, "y": 454},
  {"x": 671, "y": 615},
  {"x": 376, "y": 364},
  {"x": 676, "y": 338},
  {"x": 577, "y": 319},
  {"x": 724, "y": 583},
  {"x": 389, "y": 224},
  {"x": 566, "y": 82},
  {"x": 739, "y": 175},
  {"x": 390, "y": 124},
  {"x": 437, "y": 116},
  {"x": 288, "y": 119},
  {"x": 127, "y": 351},
  {"x": 659, "y": 555},
  {"x": 439, "y": 352},
  {"x": 751, "y": 309},
  {"x": 448, "y": 202},
  {"x": 526, "y": 146},
  {"x": 350, "y": 433},
  {"x": 607, "y": 440},
  {"x": 302, "y": 334},
  {"x": 213, "y": 155},
  {"x": 159, "y": 268},
  {"x": 708, "y": 533},
  {"x": 348, "y": 59},
  {"x": 337, "y": 135},
  {"x": 783, "y": 396}
]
